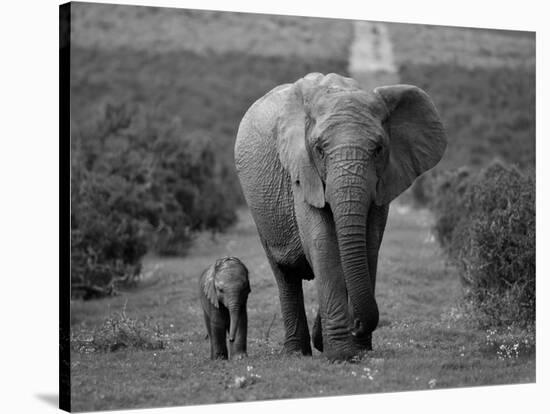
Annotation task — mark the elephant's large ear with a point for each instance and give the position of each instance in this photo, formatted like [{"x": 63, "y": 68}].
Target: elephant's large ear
[
  {"x": 209, "y": 286},
  {"x": 292, "y": 146},
  {"x": 417, "y": 139}
]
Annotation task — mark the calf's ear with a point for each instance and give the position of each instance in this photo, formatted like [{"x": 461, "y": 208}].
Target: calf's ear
[{"x": 209, "y": 287}]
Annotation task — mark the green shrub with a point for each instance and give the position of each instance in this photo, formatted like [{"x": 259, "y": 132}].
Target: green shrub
[
  {"x": 140, "y": 182},
  {"x": 485, "y": 223},
  {"x": 108, "y": 233},
  {"x": 447, "y": 191},
  {"x": 118, "y": 331}
]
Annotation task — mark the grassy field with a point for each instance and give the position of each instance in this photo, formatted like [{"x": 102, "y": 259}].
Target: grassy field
[
  {"x": 214, "y": 64},
  {"x": 462, "y": 46},
  {"x": 422, "y": 342},
  {"x": 111, "y": 27}
]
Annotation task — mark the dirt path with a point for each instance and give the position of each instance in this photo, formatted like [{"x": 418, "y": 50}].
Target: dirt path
[{"x": 371, "y": 56}]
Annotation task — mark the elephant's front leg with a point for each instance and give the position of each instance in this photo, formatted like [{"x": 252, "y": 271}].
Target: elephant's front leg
[
  {"x": 320, "y": 242},
  {"x": 291, "y": 296},
  {"x": 219, "y": 323},
  {"x": 238, "y": 347},
  {"x": 334, "y": 320}
]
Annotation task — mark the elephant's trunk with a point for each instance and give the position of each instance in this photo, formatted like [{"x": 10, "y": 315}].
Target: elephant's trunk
[
  {"x": 350, "y": 188},
  {"x": 234, "y": 315}
]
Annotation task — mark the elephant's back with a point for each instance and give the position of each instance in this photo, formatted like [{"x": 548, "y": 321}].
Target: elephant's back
[
  {"x": 257, "y": 127},
  {"x": 256, "y": 157},
  {"x": 266, "y": 184}
]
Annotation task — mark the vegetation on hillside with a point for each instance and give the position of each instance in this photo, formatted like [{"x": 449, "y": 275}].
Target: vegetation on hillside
[{"x": 139, "y": 183}]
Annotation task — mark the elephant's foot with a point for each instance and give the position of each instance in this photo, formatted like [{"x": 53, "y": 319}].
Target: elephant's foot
[
  {"x": 239, "y": 355},
  {"x": 336, "y": 355},
  {"x": 364, "y": 343},
  {"x": 294, "y": 347},
  {"x": 219, "y": 355},
  {"x": 347, "y": 350}
]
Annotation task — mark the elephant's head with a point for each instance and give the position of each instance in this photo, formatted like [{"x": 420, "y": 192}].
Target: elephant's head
[
  {"x": 226, "y": 282},
  {"x": 345, "y": 149}
]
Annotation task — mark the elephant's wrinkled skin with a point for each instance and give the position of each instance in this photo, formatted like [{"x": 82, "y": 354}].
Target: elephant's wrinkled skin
[
  {"x": 319, "y": 162},
  {"x": 223, "y": 291}
]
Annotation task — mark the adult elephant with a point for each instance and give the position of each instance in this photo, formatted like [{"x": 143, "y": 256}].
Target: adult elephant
[{"x": 319, "y": 162}]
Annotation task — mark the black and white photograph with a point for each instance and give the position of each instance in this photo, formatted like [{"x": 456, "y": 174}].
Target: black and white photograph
[{"x": 266, "y": 207}]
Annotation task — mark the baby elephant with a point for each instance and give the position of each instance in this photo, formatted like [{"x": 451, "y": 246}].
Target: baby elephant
[{"x": 224, "y": 290}]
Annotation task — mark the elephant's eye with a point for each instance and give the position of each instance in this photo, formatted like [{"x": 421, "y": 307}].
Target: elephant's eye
[
  {"x": 377, "y": 151},
  {"x": 320, "y": 151}
]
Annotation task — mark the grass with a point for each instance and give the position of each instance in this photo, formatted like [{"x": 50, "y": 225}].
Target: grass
[
  {"x": 205, "y": 67},
  {"x": 118, "y": 331},
  {"x": 423, "y": 341},
  {"x": 167, "y": 30},
  {"x": 462, "y": 46}
]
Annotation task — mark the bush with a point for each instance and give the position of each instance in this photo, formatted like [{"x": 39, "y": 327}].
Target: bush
[
  {"x": 119, "y": 331},
  {"x": 485, "y": 223},
  {"x": 140, "y": 182},
  {"x": 447, "y": 191}
]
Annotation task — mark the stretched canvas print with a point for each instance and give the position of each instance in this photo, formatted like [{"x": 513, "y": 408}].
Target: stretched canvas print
[{"x": 266, "y": 207}]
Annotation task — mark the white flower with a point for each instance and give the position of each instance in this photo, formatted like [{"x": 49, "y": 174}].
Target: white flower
[{"x": 239, "y": 382}]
